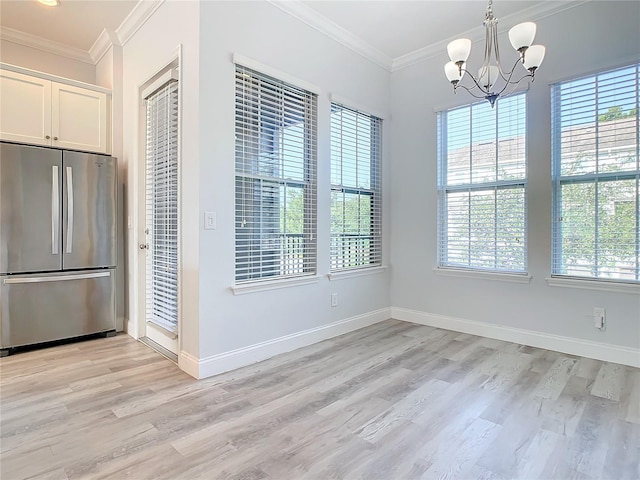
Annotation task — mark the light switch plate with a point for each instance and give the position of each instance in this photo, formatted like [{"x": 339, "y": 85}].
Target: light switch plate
[{"x": 210, "y": 220}]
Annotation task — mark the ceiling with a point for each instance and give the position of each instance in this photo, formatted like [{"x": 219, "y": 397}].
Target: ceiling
[
  {"x": 383, "y": 30},
  {"x": 74, "y": 23},
  {"x": 399, "y": 27}
]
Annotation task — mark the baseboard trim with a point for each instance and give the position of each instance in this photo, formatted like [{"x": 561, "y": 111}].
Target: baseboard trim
[
  {"x": 224, "y": 362},
  {"x": 573, "y": 346},
  {"x": 188, "y": 364}
]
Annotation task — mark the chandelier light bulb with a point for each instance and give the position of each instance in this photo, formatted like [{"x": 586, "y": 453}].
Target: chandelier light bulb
[
  {"x": 459, "y": 50},
  {"x": 50, "y": 3},
  {"x": 533, "y": 57},
  {"x": 488, "y": 76},
  {"x": 451, "y": 71},
  {"x": 521, "y": 36}
]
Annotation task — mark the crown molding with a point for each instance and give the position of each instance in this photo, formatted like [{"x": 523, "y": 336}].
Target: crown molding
[
  {"x": 39, "y": 43},
  {"x": 311, "y": 17},
  {"x": 144, "y": 9},
  {"x": 102, "y": 44},
  {"x": 536, "y": 12},
  {"x": 130, "y": 25},
  {"x": 138, "y": 16}
]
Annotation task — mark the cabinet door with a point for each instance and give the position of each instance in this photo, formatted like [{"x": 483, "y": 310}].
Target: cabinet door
[
  {"x": 80, "y": 118},
  {"x": 25, "y": 109}
]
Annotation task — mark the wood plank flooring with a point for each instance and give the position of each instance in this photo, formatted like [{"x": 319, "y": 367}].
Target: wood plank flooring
[{"x": 391, "y": 401}]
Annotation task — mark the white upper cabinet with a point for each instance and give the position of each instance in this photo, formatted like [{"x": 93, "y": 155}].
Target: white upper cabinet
[
  {"x": 40, "y": 111},
  {"x": 78, "y": 118},
  {"x": 25, "y": 109}
]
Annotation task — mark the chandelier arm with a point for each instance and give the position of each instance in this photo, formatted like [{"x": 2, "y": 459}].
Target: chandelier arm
[
  {"x": 513, "y": 88},
  {"x": 513, "y": 71},
  {"x": 475, "y": 82},
  {"x": 520, "y": 80},
  {"x": 499, "y": 94},
  {"x": 514, "y": 85},
  {"x": 496, "y": 49},
  {"x": 487, "y": 48},
  {"x": 470, "y": 91}
]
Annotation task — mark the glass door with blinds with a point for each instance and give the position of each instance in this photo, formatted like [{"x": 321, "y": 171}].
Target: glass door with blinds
[{"x": 161, "y": 233}]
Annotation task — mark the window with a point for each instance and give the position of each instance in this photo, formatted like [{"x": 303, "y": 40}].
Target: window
[
  {"x": 595, "y": 176},
  {"x": 275, "y": 130},
  {"x": 482, "y": 186},
  {"x": 161, "y": 184},
  {"x": 356, "y": 207}
]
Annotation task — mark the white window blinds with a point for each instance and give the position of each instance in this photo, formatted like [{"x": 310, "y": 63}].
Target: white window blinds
[
  {"x": 356, "y": 206},
  {"x": 275, "y": 131},
  {"x": 596, "y": 175},
  {"x": 482, "y": 186},
  {"x": 162, "y": 206}
]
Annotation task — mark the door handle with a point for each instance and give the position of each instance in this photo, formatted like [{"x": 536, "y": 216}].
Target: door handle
[
  {"x": 69, "y": 209},
  {"x": 55, "y": 210}
]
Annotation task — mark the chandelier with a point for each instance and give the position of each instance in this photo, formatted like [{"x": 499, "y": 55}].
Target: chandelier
[{"x": 493, "y": 81}]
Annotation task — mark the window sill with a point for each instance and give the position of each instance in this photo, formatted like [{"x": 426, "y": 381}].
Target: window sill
[
  {"x": 356, "y": 272},
  {"x": 591, "y": 284},
  {"x": 265, "y": 285},
  {"x": 497, "y": 276}
]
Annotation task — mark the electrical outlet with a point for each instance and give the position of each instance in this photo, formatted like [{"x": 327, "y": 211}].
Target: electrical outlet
[
  {"x": 599, "y": 319},
  {"x": 334, "y": 299}
]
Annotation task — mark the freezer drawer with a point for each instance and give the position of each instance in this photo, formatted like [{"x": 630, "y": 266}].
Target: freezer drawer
[{"x": 55, "y": 306}]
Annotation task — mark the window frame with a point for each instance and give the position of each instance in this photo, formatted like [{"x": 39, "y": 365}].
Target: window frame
[
  {"x": 596, "y": 178},
  {"x": 252, "y": 261},
  {"x": 373, "y": 192},
  {"x": 470, "y": 187}
]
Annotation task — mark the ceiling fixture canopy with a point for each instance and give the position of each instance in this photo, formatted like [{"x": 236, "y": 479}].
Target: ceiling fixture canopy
[
  {"x": 50, "y": 3},
  {"x": 493, "y": 81}
]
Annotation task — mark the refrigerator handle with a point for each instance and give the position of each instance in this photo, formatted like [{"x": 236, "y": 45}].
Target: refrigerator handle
[
  {"x": 69, "y": 209},
  {"x": 55, "y": 210},
  {"x": 54, "y": 278}
]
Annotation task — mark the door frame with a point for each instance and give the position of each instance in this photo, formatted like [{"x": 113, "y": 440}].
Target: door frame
[{"x": 137, "y": 327}]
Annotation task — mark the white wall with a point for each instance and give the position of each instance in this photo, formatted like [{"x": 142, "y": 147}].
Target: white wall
[
  {"x": 214, "y": 320},
  {"x": 42, "y": 61},
  {"x": 229, "y": 322},
  {"x": 109, "y": 75},
  {"x": 593, "y": 36}
]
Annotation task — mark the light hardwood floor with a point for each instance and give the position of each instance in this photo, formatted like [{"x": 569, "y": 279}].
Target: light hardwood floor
[{"x": 391, "y": 401}]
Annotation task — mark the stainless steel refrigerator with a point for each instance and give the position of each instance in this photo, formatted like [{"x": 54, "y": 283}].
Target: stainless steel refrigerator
[{"x": 57, "y": 244}]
